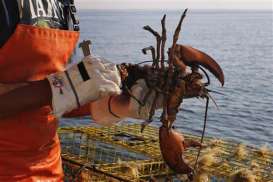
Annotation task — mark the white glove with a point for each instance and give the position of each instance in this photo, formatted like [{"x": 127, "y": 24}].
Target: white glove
[
  {"x": 75, "y": 87},
  {"x": 99, "y": 111},
  {"x": 140, "y": 91},
  {"x": 122, "y": 108}
]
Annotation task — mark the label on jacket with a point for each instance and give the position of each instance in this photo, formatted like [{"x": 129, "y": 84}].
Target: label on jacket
[{"x": 42, "y": 13}]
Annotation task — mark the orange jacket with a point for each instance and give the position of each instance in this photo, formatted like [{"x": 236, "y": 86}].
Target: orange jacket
[{"x": 29, "y": 145}]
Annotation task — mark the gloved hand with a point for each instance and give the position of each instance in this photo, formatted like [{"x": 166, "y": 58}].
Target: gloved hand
[
  {"x": 109, "y": 113},
  {"x": 140, "y": 91},
  {"x": 87, "y": 81}
]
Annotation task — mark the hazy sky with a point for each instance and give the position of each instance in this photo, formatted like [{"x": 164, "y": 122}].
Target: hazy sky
[{"x": 174, "y": 4}]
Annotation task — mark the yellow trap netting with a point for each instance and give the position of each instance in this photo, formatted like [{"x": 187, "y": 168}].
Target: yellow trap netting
[{"x": 123, "y": 153}]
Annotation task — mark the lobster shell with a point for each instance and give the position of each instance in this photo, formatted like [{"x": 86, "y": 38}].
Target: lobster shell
[
  {"x": 172, "y": 147},
  {"x": 191, "y": 57}
]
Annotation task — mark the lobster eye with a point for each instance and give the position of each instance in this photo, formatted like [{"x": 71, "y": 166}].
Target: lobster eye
[
  {"x": 196, "y": 77},
  {"x": 194, "y": 85}
]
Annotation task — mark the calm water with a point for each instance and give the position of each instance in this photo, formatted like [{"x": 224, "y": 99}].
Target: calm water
[{"x": 241, "y": 42}]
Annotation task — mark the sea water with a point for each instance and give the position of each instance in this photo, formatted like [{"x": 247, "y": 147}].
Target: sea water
[{"x": 240, "y": 41}]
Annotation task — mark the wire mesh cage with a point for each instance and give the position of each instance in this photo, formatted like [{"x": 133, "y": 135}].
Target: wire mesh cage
[{"x": 123, "y": 153}]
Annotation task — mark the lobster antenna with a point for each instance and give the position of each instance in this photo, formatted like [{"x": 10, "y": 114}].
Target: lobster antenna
[
  {"x": 206, "y": 74},
  {"x": 213, "y": 100},
  {"x": 203, "y": 132},
  {"x": 216, "y": 92}
]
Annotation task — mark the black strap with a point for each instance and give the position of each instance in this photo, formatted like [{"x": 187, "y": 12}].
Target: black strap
[
  {"x": 109, "y": 107},
  {"x": 84, "y": 74},
  {"x": 73, "y": 89}
]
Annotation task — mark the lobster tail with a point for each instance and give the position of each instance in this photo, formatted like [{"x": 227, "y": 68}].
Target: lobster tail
[{"x": 191, "y": 56}]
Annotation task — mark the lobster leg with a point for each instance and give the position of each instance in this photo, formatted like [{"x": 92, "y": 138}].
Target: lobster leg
[
  {"x": 158, "y": 43},
  {"x": 163, "y": 39},
  {"x": 174, "y": 101},
  {"x": 148, "y": 94},
  {"x": 191, "y": 143},
  {"x": 159, "y": 54},
  {"x": 152, "y": 112},
  {"x": 152, "y": 49},
  {"x": 180, "y": 64}
]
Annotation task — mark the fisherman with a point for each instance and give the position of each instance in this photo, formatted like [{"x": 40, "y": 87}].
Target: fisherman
[{"x": 37, "y": 39}]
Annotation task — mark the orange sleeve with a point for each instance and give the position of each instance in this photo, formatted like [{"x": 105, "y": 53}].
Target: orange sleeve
[{"x": 82, "y": 111}]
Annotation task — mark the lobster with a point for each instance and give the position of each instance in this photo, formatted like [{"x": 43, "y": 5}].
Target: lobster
[{"x": 175, "y": 82}]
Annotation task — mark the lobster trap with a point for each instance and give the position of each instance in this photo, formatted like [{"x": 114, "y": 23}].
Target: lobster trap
[{"x": 123, "y": 153}]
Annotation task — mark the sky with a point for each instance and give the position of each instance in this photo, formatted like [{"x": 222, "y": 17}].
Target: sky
[{"x": 175, "y": 4}]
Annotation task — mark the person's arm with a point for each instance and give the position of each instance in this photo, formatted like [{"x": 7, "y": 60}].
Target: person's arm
[
  {"x": 40, "y": 93},
  {"x": 64, "y": 91},
  {"x": 110, "y": 110},
  {"x": 31, "y": 96},
  {"x": 119, "y": 106},
  {"x": 37, "y": 94}
]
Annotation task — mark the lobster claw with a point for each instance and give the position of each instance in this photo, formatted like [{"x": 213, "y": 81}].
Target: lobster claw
[{"x": 191, "y": 57}]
